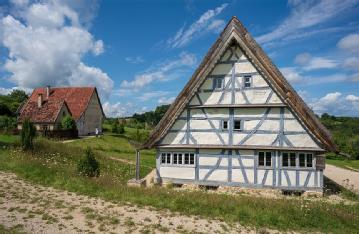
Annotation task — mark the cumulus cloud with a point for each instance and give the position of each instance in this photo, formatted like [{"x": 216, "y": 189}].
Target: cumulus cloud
[
  {"x": 163, "y": 72},
  {"x": 116, "y": 109},
  {"x": 46, "y": 43},
  {"x": 336, "y": 104},
  {"x": 349, "y": 43},
  {"x": 291, "y": 74},
  {"x": 305, "y": 15},
  {"x": 206, "y": 23}
]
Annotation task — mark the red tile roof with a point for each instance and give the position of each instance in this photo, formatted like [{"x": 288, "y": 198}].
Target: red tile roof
[{"x": 76, "y": 99}]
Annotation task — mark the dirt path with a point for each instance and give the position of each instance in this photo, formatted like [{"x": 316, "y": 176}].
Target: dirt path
[
  {"x": 347, "y": 178},
  {"x": 37, "y": 209}
]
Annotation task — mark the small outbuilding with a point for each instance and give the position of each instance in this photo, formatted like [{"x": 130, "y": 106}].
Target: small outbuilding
[{"x": 47, "y": 106}]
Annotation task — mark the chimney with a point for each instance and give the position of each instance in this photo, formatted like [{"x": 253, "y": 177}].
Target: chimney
[
  {"x": 47, "y": 92},
  {"x": 39, "y": 100}
]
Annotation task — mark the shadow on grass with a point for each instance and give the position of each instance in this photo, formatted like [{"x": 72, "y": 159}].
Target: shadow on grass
[{"x": 332, "y": 188}]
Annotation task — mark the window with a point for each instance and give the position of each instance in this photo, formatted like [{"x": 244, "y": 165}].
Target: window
[
  {"x": 237, "y": 125},
  {"x": 302, "y": 160},
  {"x": 163, "y": 158},
  {"x": 289, "y": 159},
  {"x": 168, "y": 158},
  {"x": 247, "y": 81},
  {"x": 285, "y": 159},
  {"x": 218, "y": 83},
  {"x": 305, "y": 160},
  {"x": 186, "y": 158},
  {"x": 292, "y": 159},
  {"x": 178, "y": 158},
  {"x": 265, "y": 159},
  {"x": 224, "y": 125},
  {"x": 175, "y": 158},
  {"x": 191, "y": 159}
]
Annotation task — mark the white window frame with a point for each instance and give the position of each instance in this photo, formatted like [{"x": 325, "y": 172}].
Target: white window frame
[
  {"x": 306, "y": 154},
  {"x": 245, "y": 82},
  {"x": 222, "y": 125},
  {"x": 240, "y": 125},
  {"x": 215, "y": 81},
  {"x": 181, "y": 159},
  {"x": 265, "y": 159}
]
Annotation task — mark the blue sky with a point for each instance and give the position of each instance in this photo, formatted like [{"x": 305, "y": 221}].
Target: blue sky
[{"x": 140, "y": 54}]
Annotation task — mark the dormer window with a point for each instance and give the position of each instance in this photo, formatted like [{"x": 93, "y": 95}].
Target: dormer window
[
  {"x": 218, "y": 83},
  {"x": 247, "y": 81}
]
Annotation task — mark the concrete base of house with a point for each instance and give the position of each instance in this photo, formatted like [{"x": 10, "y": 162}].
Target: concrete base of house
[{"x": 136, "y": 183}]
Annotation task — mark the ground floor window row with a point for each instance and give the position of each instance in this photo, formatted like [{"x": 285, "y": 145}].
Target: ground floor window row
[
  {"x": 289, "y": 159},
  {"x": 177, "y": 158}
]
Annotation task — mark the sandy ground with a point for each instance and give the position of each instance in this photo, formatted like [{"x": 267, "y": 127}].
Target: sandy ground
[
  {"x": 347, "y": 178},
  {"x": 38, "y": 209}
]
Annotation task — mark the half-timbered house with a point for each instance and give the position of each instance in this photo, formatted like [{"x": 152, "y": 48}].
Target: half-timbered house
[{"x": 238, "y": 122}]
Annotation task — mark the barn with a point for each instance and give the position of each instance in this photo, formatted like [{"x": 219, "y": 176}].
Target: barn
[
  {"x": 46, "y": 107},
  {"x": 238, "y": 122}
]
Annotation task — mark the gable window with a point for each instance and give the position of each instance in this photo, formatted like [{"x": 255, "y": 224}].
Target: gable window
[
  {"x": 247, "y": 81},
  {"x": 237, "y": 125},
  {"x": 305, "y": 160},
  {"x": 163, "y": 158},
  {"x": 168, "y": 158},
  {"x": 265, "y": 159},
  {"x": 191, "y": 159},
  {"x": 186, "y": 158},
  {"x": 224, "y": 125},
  {"x": 180, "y": 159},
  {"x": 218, "y": 83}
]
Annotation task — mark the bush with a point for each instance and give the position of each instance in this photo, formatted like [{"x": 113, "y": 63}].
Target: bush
[
  {"x": 7, "y": 123},
  {"x": 88, "y": 165},
  {"x": 118, "y": 128},
  {"x": 68, "y": 123},
  {"x": 27, "y": 135}
]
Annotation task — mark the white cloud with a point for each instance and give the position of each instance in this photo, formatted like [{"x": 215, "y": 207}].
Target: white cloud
[
  {"x": 165, "y": 101},
  {"x": 335, "y": 104},
  {"x": 350, "y": 43},
  {"x": 291, "y": 74},
  {"x": 352, "y": 98},
  {"x": 135, "y": 60},
  {"x": 116, "y": 109},
  {"x": 151, "y": 95},
  {"x": 206, "y": 23},
  {"x": 304, "y": 15},
  {"x": 309, "y": 63},
  {"x": 320, "y": 63},
  {"x": 163, "y": 72},
  {"x": 46, "y": 44},
  {"x": 302, "y": 58},
  {"x": 352, "y": 63}
]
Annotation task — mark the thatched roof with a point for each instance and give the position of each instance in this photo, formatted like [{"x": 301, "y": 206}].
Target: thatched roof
[{"x": 235, "y": 32}]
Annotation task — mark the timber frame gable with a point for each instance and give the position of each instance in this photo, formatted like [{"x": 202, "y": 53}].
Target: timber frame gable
[{"x": 235, "y": 34}]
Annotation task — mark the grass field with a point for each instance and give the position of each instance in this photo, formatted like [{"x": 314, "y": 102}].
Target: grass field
[
  {"x": 344, "y": 163},
  {"x": 54, "y": 164}
]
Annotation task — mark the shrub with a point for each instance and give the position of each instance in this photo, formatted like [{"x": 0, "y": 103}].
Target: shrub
[
  {"x": 27, "y": 135},
  {"x": 118, "y": 128},
  {"x": 68, "y": 123},
  {"x": 88, "y": 165},
  {"x": 7, "y": 123}
]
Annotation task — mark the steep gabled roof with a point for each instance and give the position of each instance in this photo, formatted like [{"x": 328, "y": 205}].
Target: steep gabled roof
[
  {"x": 76, "y": 98},
  {"x": 48, "y": 112},
  {"x": 235, "y": 31}
]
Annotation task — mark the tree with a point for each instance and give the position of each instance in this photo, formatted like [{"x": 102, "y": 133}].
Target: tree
[
  {"x": 68, "y": 123},
  {"x": 4, "y": 109},
  {"x": 18, "y": 95},
  {"x": 88, "y": 165},
  {"x": 27, "y": 135}
]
